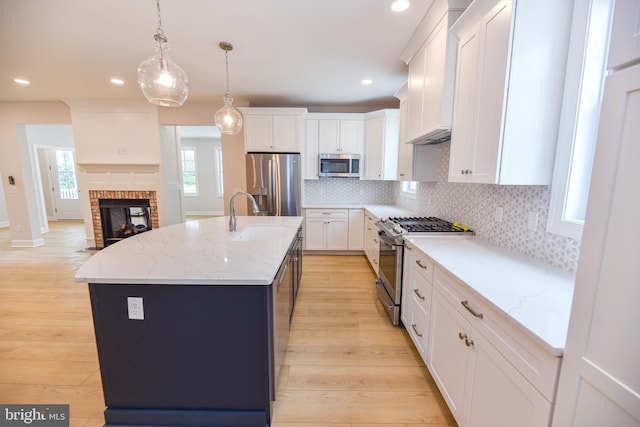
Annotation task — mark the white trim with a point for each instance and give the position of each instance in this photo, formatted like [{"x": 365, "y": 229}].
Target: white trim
[
  {"x": 212, "y": 213},
  {"x": 4, "y": 224},
  {"x": 571, "y": 114},
  {"x": 27, "y": 243}
]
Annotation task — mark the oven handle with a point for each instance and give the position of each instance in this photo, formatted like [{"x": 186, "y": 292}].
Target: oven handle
[
  {"x": 382, "y": 294},
  {"x": 388, "y": 240}
]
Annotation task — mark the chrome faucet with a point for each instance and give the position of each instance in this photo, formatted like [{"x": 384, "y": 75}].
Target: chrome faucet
[{"x": 232, "y": 209}]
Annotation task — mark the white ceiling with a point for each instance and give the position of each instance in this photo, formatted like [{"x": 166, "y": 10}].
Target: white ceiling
[{"x": 286, "y": 52}]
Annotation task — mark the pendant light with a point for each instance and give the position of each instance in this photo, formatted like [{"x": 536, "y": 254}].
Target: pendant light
[
  {"x": 162, "y": 81},
  {"x": 228, "y": 118}
]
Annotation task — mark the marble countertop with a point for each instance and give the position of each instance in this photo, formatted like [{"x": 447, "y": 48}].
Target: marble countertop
[
  {"x": 194, "y": 253},
  {"x": 535, "y": 297},
  {"x": 381, "y": 211}
]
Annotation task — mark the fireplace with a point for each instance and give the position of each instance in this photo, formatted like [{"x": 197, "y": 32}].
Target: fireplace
[{"x": 120, "y": 214}]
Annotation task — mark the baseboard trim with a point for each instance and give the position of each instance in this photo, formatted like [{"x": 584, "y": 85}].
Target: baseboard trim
[{"x": 27, "y": 243}]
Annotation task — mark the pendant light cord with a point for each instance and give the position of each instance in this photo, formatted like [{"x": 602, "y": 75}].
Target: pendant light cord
[{"x": 226, "y": 60}]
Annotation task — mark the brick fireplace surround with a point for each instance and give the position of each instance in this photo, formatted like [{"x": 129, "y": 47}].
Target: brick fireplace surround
[{"x": 95, "y": 196}]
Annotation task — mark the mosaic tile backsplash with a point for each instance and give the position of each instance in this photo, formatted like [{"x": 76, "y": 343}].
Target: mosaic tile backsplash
[
  {"x": 348, "y": 191},
  {"x": 471, "y": 204},
  {"x": 475, "y": 205}
]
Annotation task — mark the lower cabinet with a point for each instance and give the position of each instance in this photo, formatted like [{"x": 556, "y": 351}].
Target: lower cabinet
[
  {"x": 488, "y": 373},
  {"x": 327, "y": 229},
  {"x": 480, "y": 386},
  {"x": 371, "y": 242},
  {"x": 356, "y": 229}
]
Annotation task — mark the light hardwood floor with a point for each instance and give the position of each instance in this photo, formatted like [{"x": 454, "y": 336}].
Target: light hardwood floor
[{"x": 346, "y": 366}]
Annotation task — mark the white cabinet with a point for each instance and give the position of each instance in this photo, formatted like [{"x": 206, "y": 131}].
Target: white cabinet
[
  {"x": 416, "y": 296},
  {"x": 310, "y": 160},
  {"x": 337, "y": 133},
  {"x": 431, "y": 57},
  {"x": 356, "y": 229},
  {"x": 479, "y": 361},
  {"x": 381, "y": 145},
  {"x": 273, "y": 129},
  {"x": 405, "y": 151},
  {"x": 624, "y": 46},
  {"x": 371, "y": 242},
  {"x": 505, "y": 118},
  {"x": 327, "y": 229}
]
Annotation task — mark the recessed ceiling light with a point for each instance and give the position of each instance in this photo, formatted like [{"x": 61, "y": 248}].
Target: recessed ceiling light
[
  {"x": 400, "y": 5},
  {"x": 366, "y": 82},
  {"x": 22, "y": 81},
  {"x": 117, "y": 81}
]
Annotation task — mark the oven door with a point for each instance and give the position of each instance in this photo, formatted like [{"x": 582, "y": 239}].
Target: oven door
[{"x": 390, "y": 272}]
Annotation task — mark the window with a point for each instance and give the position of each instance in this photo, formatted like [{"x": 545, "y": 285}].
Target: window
[
  {"x": 220, "y": 182},
  {"x": 67, "y": 181},
  {"x": 584, "y": 83},
  {"x": 409, "y": 189},
  {"x": 189, "y": 171}
]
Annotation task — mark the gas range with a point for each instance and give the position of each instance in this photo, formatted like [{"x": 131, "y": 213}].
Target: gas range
[{"x": 397, "y": 226}]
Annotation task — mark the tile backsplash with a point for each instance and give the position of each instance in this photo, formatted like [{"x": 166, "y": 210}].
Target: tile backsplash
[
  {"x": 347, "y": 191},
  {"x": 475, "y": 205}
]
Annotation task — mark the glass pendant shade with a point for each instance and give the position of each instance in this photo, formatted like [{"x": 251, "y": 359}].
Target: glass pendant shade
[
  {"x": 228, "y": 118},
  {"x": 162, "y": 81}
]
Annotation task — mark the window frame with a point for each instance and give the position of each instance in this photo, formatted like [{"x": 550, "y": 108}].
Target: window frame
[
  {"x": 217, "y": 152},
  {"x": 69, "y": 170},
  {"x": 575, "y": 118},
  {"x": 183, "y": 149}
]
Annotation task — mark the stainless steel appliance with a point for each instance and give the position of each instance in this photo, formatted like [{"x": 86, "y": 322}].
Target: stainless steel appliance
[
  {"x": 339, "y": 165},
  {"x": 391, "y": 230},
  {"x": 274, "y": 181}
]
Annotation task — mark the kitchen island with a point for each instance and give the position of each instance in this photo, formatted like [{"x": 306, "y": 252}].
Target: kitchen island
[{"x": 192, "y": 321}]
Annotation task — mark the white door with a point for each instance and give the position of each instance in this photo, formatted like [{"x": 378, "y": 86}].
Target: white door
[
  {"x": 172, "y": 174},
  {"x": 600, "y": 376},
  {"x": 64, "y": 184}
]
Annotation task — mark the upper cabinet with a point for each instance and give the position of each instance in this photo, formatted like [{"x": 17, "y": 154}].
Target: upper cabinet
[
  {"x": 381, "y": 145},
  {"x": 339, "y": 133},
  {"x": 431, "y": 57},
  {"x": 273, "y": 129},
  {"x": 508, "y": 92}
]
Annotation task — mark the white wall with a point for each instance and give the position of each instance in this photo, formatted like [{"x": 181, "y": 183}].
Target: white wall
[{"x": 207, "y": 202}]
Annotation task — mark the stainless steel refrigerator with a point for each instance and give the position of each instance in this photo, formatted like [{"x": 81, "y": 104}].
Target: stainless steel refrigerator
[{"x": 274, "y": 181}]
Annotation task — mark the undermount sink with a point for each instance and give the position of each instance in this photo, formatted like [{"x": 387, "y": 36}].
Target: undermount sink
[{"x": 258, "y": 232}]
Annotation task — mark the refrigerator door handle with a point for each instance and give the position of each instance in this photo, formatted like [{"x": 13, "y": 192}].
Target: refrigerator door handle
[{"x": 271, "y": 205}]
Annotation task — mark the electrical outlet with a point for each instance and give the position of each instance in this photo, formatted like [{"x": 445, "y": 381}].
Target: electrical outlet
[
  {"x": 532, "y": 221},
  {"x": 135, "y": 308},
  {"x": 499, "y": 213}
]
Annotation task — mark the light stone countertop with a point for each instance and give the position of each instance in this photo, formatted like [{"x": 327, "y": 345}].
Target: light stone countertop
[
  {"x": 535, "y": 297},
  {"x": 194, "y": 253},
  {"x": 381, "y": 211}
]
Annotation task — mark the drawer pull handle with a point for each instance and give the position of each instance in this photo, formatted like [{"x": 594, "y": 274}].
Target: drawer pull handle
[
  {"x": 419, "y": 294},
  {"x": 468, "y": 342},
  {"x": 376, "y": 240},
  {"x": 462, "y": 336},
  {"x": 421, "y": 265},
  {"x": 408, "y": 247},
  {"x": 416, "y": 330},
  {"x": 466, "y": 305}
]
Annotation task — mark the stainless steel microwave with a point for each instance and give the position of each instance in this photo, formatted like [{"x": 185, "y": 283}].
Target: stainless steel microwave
[{"x": 339, "y": 165}]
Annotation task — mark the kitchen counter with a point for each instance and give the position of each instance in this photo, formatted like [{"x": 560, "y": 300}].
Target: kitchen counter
[
  {"x": 535, "y": 297},
  {"x": 381, "y": 211},
  {"x": 193, "y": 253}
]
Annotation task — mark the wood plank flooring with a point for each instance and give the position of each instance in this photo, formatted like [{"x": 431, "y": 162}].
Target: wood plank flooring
[{"x": 346, "y": 365}]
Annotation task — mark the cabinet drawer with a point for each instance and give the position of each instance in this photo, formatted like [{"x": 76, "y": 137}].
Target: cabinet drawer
[
  {"x": 327, "y": 213},
  {"x": 423, "y": 265},
  {"x": 420, "y": 293},
  {"x": 537, "y": 365},
  {"x": 418, "y": 328}
]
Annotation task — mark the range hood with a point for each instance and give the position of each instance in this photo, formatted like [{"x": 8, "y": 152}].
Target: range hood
[{"x": 437, "y": 136}]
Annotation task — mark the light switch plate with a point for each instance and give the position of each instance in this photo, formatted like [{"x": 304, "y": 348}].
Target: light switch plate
[
  {"x": 135, "y": 308},
  {"x": 532, "y": 221}
]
